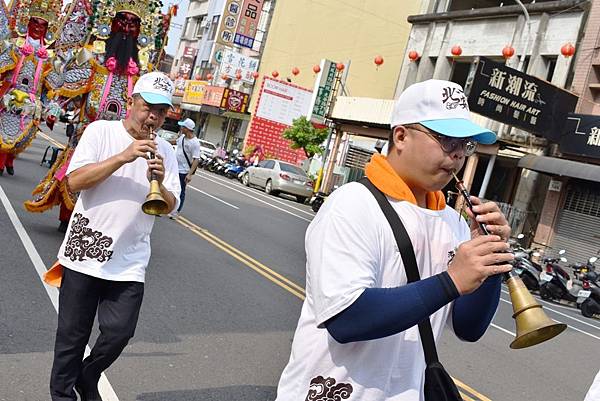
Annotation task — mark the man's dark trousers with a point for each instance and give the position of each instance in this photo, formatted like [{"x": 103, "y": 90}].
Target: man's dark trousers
[
  {"x": 183, "y": 184},
  {"x": 118, "y": 304}
]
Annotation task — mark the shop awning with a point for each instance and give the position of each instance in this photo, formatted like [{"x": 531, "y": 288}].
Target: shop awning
[{"x": 567, "y": 168}]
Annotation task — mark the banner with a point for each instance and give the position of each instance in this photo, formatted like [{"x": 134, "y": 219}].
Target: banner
[
  {"x": 248, "y": 23},
  {"x": 194, "y": 92},
  {"x": 229, "y": 20},
  {"x": 322, "y": 92},
  {"x": 213, "y": 95},
  {"x": 234, "y": 62},
  {"x": 581, "y": 136},
  {"x": 235, "y": 101},
  {"x": 283, "y": 102},
  {"x": 515, "y": 98}
]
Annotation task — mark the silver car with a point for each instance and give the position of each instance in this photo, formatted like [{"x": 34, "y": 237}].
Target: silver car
[{"x": 277, "y": 176}]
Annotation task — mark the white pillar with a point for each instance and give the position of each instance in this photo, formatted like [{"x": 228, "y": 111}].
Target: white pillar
[{"x": 487, "y": 176}]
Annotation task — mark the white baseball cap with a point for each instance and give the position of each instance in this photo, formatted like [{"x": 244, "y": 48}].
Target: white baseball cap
[
  {"x": 187, "y": 123},
  {"x": 440, "y": 106},
  {"x": 155, "y": 88}
]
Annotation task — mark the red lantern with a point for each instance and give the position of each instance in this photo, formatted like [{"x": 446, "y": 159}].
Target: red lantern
[
  {"x": 198, "y": 77},
  {"x": 295, "y": 71},
  {"x": 340, "y": 66},
  {"x": 275, "y": 74},
  {"x": 378, "y": 60},
  {"x": 209, "y": 76},
  {"x": 224, "y": 77},
  {"x": 567, "y": 50},
  {"x": 255, "y": 74},
  {"x": 413, "y": 55},
  {"x": 508, "y": 52},
  {"x": 456, "y": 50},
  {"x": 238, "y": 76},
  {"x": 316, "y": 68}
]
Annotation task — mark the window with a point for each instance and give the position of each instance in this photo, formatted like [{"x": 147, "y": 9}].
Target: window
[
  {"x": 199, "y": 29},
  {"x": 460, "y": 72},
  {"x": 269, "y": 164},
  {"x": 262, "y": 164},
  {"x": 207, "y": 144},
  {"x": 551, "y": 63},
  {"x": 288, "y": 168},
  {"x": 214, "y": 25}
]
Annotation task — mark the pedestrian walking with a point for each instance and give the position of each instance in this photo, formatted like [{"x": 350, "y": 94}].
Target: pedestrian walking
[
  {"x": 107, "y": 247},
  {"x": 357, "y": 337},
  {"x": 188, "y": 158}
]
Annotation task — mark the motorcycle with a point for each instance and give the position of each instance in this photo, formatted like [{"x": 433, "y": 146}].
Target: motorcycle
[
  {"x": 555, "y": 282},
  {"x": 528, "y": 270},
  {"x": 588, "y": 299},
  {"x": 237, "y": 167}
]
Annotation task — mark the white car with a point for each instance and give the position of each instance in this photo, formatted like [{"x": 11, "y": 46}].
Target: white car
[
  {"x": 277, "y": 176},
  {"x": 207, "y": 148}
]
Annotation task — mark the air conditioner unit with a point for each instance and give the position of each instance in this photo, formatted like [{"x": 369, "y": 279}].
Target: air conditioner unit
[{"x": 205, "y": 23}]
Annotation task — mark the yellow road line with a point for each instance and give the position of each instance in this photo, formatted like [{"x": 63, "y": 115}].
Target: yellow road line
[
  {"x": 470, "y": 390},
  {"x": 218, "y": 243},
  {"x": 51, "y": 140},
  {"x": 244, "y": 255},
  {"x": 283, "y": 282}
]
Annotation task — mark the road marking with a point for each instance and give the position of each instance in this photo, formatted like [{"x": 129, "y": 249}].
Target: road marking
[
  {"x": 502, "y": 329},
  {"x": 235, "y": 184},
  {"x": 271, "y": 275},
  {"x": 51, "y": 140},
  {"x": 104, "y": 386},
  {"x": 282, "y": 281},
  {"x": 564, "y": 314},
  {"x": 212, "y": 196},
  {"x": 558, "y": 321},
  {"x": 256, "y": 199}
]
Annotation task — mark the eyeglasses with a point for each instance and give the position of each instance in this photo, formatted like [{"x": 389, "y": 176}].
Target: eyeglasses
[{"x": 449, "y": 144}]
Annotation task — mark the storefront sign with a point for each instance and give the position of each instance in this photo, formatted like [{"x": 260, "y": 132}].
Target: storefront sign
[
  {"x": 512, "y": 97},
  {"x": 229, "y": 20},
  {"x": 581, "y": 136},
  {"x": 179, "y": 86},
  {"x": 174, "y": 113},
  {"x": 235, "y": 101},
  {"x": 283, "y": 102},
  {"x": 234, "y": 63},
  {"x": 186, "y": 63},
  {"x": 213, "y": 95},
  {"x": 322, "y": 91},
  {"x": 248, "y": 22},
  {"x": 194, "y": 92}
]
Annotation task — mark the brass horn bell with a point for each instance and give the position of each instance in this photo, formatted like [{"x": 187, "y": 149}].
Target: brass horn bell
[
  {"x": 155, "y": 204},
  {"x": 533, "y": 325}
]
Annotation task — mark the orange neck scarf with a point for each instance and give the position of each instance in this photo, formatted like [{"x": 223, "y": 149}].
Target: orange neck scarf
[{"x": 382, "y": 175}]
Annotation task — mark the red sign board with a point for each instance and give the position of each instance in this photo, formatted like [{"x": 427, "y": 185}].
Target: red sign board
[
  {"x": 213, "y": 95},
  {"x": 189, "y": 52},
  {"x": 248, "y": 23},
  {"x": 235, "y": 101},
  {"x": 268, "y": 134}
]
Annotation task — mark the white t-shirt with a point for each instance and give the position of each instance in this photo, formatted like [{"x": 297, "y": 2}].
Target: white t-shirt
[
  {"x": 192, "y": 149},
  {"x": 594, "y": 391},
  {"x": 109, "y": 234},
  {"x": 350, "y": 247}
]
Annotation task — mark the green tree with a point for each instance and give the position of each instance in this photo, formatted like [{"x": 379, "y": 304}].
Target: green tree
[{"x": 306, "y": 137}]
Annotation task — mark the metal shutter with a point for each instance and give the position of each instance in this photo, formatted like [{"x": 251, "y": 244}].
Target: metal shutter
[{"x": 578, "y": 227}]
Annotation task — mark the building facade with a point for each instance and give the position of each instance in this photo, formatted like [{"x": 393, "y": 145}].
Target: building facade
[{"x": 444, "y": 43}]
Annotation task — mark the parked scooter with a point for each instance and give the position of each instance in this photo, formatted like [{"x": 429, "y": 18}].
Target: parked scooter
[
  {"x": 555, "y": 282},
  {"x": 237, "y": 167},
  {"x": 588, "y": 299},
  {"x": 524, "y": 267}
]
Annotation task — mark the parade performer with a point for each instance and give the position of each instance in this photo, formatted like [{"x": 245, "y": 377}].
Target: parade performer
[
  {"x": 128, "y": 38},
  {"x": 24, "y": 68}
]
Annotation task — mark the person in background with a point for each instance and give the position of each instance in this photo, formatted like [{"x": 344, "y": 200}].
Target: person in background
[{"x": 188, "y": 158}]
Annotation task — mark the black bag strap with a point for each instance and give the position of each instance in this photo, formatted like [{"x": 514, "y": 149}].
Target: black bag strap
[
  {"x": 410, "y": 263},
  {"x": 183, "y": 149}
]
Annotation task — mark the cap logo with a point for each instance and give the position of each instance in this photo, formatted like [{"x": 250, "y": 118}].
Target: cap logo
[
  {"x": 162, "y": 84},
  {"x": 453, "y": 97}
]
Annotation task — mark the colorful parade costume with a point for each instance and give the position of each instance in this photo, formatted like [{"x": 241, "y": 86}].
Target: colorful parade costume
[
  {"x": 103, "y": 80},
  {"x": 24, "y": 66}
]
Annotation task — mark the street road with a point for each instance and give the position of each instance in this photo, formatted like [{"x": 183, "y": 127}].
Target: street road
[{"x": 223, "y": 294}]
